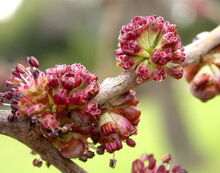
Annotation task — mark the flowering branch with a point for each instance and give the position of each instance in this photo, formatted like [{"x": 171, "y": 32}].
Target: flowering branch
[
  {"x": 120, "y": 84},
  {"x": 83, "y": 115},
  {"x": 25, "y": 132},
  {"x": 197, "y": 49}
]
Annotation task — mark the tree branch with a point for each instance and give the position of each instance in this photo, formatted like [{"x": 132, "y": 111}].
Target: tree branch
[
  {"x": 28, "y": 134},
  {"x": 121, "y": 84},
  {"x": 197, "y": 49},
  {"x": 25, "y": 132}
]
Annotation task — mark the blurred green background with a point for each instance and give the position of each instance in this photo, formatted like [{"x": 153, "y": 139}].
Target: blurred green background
[{"x": 86, "y": 31}]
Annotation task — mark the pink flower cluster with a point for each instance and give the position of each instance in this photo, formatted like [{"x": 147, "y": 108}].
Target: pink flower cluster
[
  {"x": 138, "y": 166},
  {"x": 58, "y": 101},
  {"x": 204, "y": 78},
  {"x": 152, "y": 47}
]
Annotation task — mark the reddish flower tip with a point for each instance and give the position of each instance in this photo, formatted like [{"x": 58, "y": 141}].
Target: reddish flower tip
[
  {"x": 166, "y": 158},
  {"x": 20, "y": 68},
  {"x": 33, "y": 62},
  {"x": 130, "y": 142}
]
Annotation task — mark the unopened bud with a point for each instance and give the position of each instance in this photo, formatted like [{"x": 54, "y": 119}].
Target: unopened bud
[
  {"x": 36, "y": 74},
  {"x": 100, "y": 150},
  {"x": 112, "y": 163},
  {"x": 166, "y": 158},
  {"x": 90, "y": 154},
  {"x": 130, "y": 142},
  {"x": 37, "y": 163},
  {"x": 33, "y": 62},
  {"x": 83, "y": 158},
  {"x": 20, "y": 68}
]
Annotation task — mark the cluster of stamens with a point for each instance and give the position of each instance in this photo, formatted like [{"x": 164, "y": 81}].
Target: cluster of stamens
[
  {"x": 152, "y": 47},
  {"x": 138, "y": 166},
  {"x": 58, "y": 101},
  {"x": 204, "y": 78},
  {"x": 118, "y": 123}
]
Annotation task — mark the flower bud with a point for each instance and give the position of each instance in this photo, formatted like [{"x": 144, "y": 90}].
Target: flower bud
[
  {"x": 72, "y": 149},
  {"x": 152, "y": 162},
  {"x": 132, "y": 114},
  {"x": 203, "y": 86},
  {"x": 108, "y": 128},
  {"x": 112, "y": 163},
  {"x": 8, "y": 95},
  {"x": 100, "y": 150},
  {"x": 113, "y": 145},
  {"x": 178, "y": 169},
  {"x": 124, "y": 99},
  {"x": 161, "y": 169},
  {"x": 37, "y": 163},
  {"x": 79, "y": 98},
  {"x": 130, "y": 142},
  {"x": 83, "y": 158},
  {"x": 92, "y": 89},
  {"x": 60, "y": 98},
  {"x": 49, "y": 121},
  {"x": 33, "y": 62},
  {"x": 138, "y": 166},
  {"x": 143, "y": 73},
  {"x": 176, "y": 71},
  {"x": 159, "y": 57},
  {"x": 150, "y": 44},
  {"x": 9, "y": 84},
  {"x": 124, "y": 127},
  {"x": 15, "y": 73},
  {"x": 35, "y": 109},
  {"x": 20, "y": 68},
  {"x": 159, "y": 74},
  {"x": 80, "y": 118},
  {"x": 53, "y": 82},
  {"x": 90, "y": 154},
  {"x": 36, "y": 73},
  {"x": 92, "y": 109},
  {"x": 166, "y": 158},
  {"x": 70, "y": 83}
]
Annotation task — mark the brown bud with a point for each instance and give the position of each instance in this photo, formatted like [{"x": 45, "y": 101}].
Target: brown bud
[
  {"x": 100, "y": 150},
  {"x": 83, "y": 158},
  {"x": 90, "y": 154},
  {"x": 112, "y": 163},
  {"x": 37, "y": 163}
]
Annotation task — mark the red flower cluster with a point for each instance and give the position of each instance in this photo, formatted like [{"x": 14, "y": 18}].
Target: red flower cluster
[
  {"x": 138, "y": 166},
  {"x": 118, "y": 123},
  {"x": 204, "y": 78},
  {"x": 58, "y": 101},
  {"x": 152, "y": 47}
]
